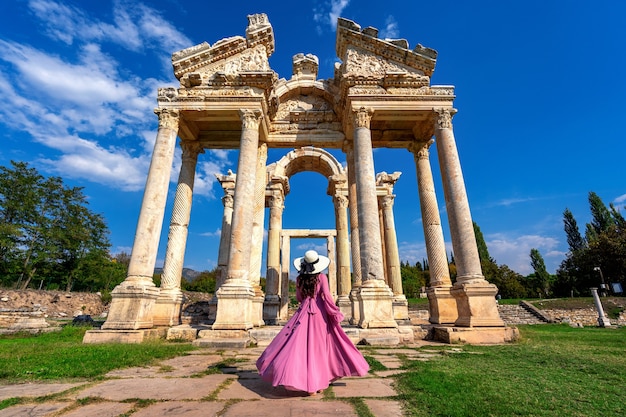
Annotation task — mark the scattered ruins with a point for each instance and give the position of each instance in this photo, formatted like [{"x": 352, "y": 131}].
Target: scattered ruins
[{"x": 230, "y": 98}]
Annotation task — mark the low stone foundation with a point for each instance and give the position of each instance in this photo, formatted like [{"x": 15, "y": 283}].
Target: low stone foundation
[
  {"x": 15, "y": 321},
  {"x": 475, "y": 335},
  {"x": 123, "y": 336}
]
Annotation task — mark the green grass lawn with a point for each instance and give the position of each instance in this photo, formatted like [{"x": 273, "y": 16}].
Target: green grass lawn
[
  {"x": 554, "y": 370},
  {"x": 63, "y": 356}
]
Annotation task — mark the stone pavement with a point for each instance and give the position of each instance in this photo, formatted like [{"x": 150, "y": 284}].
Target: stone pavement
[{"x": 210, "y": 382}]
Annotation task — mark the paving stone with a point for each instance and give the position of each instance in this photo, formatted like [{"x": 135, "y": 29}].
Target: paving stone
[
  {"x": 382, "y": 408},
  {"x": 301, "y": 407},
  {"x": 33, "y": 410},
  {"x": 156, "y": 388},
  {"x": 391, "y": 372},
  {"x": 33, "y": 390},
  {"x": 181, "y": 408},
  {"x": 175, "y": 367},
  {"x": 102, "y": 409},
  {"x": 363, "y": 387}
]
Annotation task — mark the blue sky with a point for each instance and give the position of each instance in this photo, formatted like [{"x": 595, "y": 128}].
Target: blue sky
[{"x": 540, "y": 96}]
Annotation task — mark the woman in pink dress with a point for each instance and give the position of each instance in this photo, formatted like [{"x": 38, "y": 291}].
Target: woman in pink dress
[{"x": 312, "y": 350}]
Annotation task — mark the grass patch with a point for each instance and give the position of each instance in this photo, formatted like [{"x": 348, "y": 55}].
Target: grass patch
[
  {"x": 63, "y": 356},
  {"x": 374, "y": 364},
  {"x": 418, "y": 303},
  {"x": 555, "y": 370}
]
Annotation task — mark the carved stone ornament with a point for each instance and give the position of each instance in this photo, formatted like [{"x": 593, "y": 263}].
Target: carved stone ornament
[
  {"x": 250, "y": 119},
  {"x": 191, "y": 149},
  {"x": 168, "y": 118},
  {"x": 341, "y": 201},
  {"x": 387, "y": 200},
  {"x": 362, "y": 117},
  {"x": 360, "y": 63},
  {"x": 444, "y": 119},
  {"x": 276, "y": 200},
  {"x": 228, "y": 201},
  {"x": 302, "y": 104},
  {"x": 420, "y": 149}
]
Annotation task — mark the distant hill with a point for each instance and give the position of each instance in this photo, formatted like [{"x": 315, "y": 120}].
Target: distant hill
[{"x": 188, "y": 273}]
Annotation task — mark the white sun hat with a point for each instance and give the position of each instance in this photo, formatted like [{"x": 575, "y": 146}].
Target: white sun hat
[{"x": 316, "y": 263}]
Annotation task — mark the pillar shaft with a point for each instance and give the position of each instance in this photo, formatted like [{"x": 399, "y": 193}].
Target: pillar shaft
[
  {"x": 168, "y": 304},
  {"x": 343, "y": 246},
  {"x": 234, "y": 298},
  {"x": 475, "y": 297},
  {"x": 284, "y": 277},
  {"x": 272, "y": 298},
  {"x": 391, "y": 245},
  {"x": 375, "y": 297},
  {"x": 442, "y": 306},
  {"x": 354, "y": 236},
  {"x": 133, "y": 299}
]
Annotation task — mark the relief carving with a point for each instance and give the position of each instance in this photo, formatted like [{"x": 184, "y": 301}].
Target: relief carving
[
  {"x": 363, "y": 64},
  {"x": 302, "y": 104},
  {"x": 167, "y": 118}
]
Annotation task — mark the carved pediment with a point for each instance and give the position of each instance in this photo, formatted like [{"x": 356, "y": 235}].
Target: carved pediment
[
  {"x": 303, "y": 104},
  {"x": 228, "y": 56},
  {"x": 364, "y": 55}
]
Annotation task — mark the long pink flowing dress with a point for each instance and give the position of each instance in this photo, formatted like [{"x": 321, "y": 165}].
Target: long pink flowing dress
[{"x": 312, "y": 350}]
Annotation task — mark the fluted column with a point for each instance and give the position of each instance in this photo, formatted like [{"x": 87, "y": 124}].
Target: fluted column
[
  {"x": 343, "y": 255},
  {"x": 167, "y": 308},
  {"x": 442, "y": 306},
  {"x": 272, "y": 298},
  {"x": 256, "y": 250},
  {"x": 354, "y": 236},
  {"x": 234, "y": 306},
  {"x": 475, "y": 296},
  {"x": 400, "y": 303},
  {"x": 133, "y": 299},
  {"x": 375, "y": 296}
]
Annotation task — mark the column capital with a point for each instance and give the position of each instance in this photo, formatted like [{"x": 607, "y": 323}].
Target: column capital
[
  {"x": 250, "y": 119},
  {"x": 168, "y": 118},
  {"x": 276, "y": 201},
  {"x": 420, "y": 149},
  {"x": 444, "y": 118},
  {"x": 191, "y": 149},
  {"x": 228, "y": 200},
  {"x": 362, "y": 117},
  {"x": 341, "y": 201},
  {"x": 387, "y": 200}
]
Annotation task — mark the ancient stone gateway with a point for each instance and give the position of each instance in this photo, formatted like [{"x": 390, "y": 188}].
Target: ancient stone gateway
[{"x": 230, "y": 98}]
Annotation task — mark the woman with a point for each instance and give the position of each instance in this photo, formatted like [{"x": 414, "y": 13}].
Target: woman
[{"x": 312, "y": 350}]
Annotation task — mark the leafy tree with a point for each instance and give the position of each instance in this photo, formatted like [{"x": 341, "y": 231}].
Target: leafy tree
[
  {"x": 574, "y": 238},
  {"x": 48, "y": 235},
  {"x": 541, "y": 279},
  {"x": 483, "y": 252}
]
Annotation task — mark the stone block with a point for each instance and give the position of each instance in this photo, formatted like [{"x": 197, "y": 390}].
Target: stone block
[{"x": 476, "y": 335}]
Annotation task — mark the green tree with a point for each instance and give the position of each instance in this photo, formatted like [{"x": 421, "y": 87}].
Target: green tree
[{"x": 541, "y": 279}]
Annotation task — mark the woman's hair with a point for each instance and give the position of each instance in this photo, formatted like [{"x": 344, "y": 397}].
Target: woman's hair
[{"x": 307, "y": 283}]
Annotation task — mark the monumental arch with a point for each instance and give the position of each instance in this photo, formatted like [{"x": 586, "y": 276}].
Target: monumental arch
[{"x": 230, "y": 98}]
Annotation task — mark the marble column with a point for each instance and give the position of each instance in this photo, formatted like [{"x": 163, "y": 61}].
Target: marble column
[
  {"x": 343, "y": 255},
  {"x": 442, "y": 306},
  {"x": 400, "y": 303},
  {"x": 374, "y": 295},
  {"x": 332, "y": 266},
  {"x": 133, "y": 299},
  {"x": 272, "y": 299},
  {"x": 228, "y": 185},
  {"x": 284, "y": 277},
  {"x": 354, "y": 236},
  {"x": 476, "y": 303},
  {"x": 234, "y": 298},
  {"x": 167, "y": 308},
  {"x": 256, "y": 250}
]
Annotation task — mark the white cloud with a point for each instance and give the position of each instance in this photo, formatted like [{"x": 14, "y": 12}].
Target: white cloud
[
  {"x": 391, "y": 30},
  {"x": 514, "y": 251},
  {"x": 328, "y": 13},
  {"x": 217, "y": 233}
]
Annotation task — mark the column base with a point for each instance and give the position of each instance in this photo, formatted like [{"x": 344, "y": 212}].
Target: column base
[
  {"x": 234, "y": 306},
  {"x": 257, "y": 308},
  {"x": 475, "y": 336},
  {"x": 441, "y": 305},
  {"x": 355, "y": 315},
  {"x": 345, "y": 306},
  {"x": 131, "y": 305},
  {"x": 168, "y": 307},
  {"x": 271, "y": 309},
  {"x": 476, "y": 304},
  {"x": 400, "y": 307},
  {"x": 212, "y": 308},
  {"x": 376, "y": 299}
]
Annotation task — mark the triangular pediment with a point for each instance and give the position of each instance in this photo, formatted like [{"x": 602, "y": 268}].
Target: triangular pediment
[
  {"x": 364, "y": 55},
  {"x": 231, "y": 55}
]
